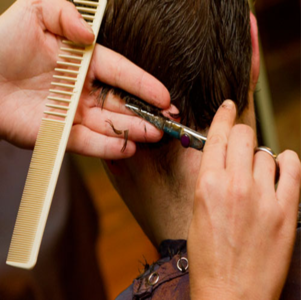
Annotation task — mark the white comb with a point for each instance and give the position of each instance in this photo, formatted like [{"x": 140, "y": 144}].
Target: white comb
[{"x": 51, "y": 142}]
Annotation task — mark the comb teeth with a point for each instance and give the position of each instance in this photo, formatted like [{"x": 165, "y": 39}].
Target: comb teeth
[
  {"x": 69, "y": 66},
  {"x": 31, "y": 208},
  {"x": 51, "y": 142}
]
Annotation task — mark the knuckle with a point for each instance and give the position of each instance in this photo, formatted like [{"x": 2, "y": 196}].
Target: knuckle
[
  {"x": 217, "y": 139},
  {"x": 207, "y": 182}
]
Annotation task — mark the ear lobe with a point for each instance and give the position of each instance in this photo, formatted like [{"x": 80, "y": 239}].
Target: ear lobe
[{"x": 255, "y": 52}]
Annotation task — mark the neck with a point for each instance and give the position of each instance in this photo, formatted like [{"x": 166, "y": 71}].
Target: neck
[{"x": 161, "y": 205}]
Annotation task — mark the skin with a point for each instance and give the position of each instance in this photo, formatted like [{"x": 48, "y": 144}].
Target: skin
[
  {"x": 31, "y": 50},
  {"x": 240, "y": 230}
]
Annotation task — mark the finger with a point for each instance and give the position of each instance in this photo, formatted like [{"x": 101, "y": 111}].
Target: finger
[
  {"x": 264, "y": 172},
  {"x": 172, "y": 113},
  {"x": 114, "y": 103},
  {"x": 114, "y": 69},
  {"x": 62, "y": 18},
  {"x": 108, "y": 123},
  {"x": 289, "y": 181},
  {"x": 84, "y": 141},
  {"x": 240, "y": 151},
  {"x": 216, "y": 145}
]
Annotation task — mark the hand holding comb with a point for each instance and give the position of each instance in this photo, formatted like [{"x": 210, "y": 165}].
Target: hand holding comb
[{"x": 51, "y": 143}]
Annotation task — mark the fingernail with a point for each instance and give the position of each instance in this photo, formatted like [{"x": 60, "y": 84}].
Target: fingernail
[
  {"x": 228, "y": 104},
  {"x": 86, "y": 25}
]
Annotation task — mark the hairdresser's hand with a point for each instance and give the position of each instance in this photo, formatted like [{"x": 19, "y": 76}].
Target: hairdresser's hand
[
  {"x": 101, "y": 127},
  {"x": 242, "y": 233},
  {"x": 29, "y": 31}
]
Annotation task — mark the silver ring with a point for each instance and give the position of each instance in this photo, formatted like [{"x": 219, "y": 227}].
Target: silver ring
[
  {"x": 153, "y": 278},
  {"x": 182, "y": 268},
  {"x": 271, "y": 153}
]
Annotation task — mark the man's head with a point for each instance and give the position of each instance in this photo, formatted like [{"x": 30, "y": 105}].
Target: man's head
[{"x": 201, "y": 50}]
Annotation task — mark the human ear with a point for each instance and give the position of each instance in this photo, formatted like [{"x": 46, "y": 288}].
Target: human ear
[{"x": 255, "y": 52}]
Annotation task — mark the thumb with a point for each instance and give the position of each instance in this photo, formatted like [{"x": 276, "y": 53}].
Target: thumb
[{"x": 62, "y": 18}]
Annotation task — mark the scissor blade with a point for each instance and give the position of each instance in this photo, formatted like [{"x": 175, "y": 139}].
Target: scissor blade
[{"x": 155, "y": 120}]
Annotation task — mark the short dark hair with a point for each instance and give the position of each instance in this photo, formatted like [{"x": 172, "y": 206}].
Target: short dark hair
[{"x": 199, "y": 49}]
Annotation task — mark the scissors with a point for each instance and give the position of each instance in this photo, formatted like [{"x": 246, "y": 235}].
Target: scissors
[{"x": 187, "y": 136}]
